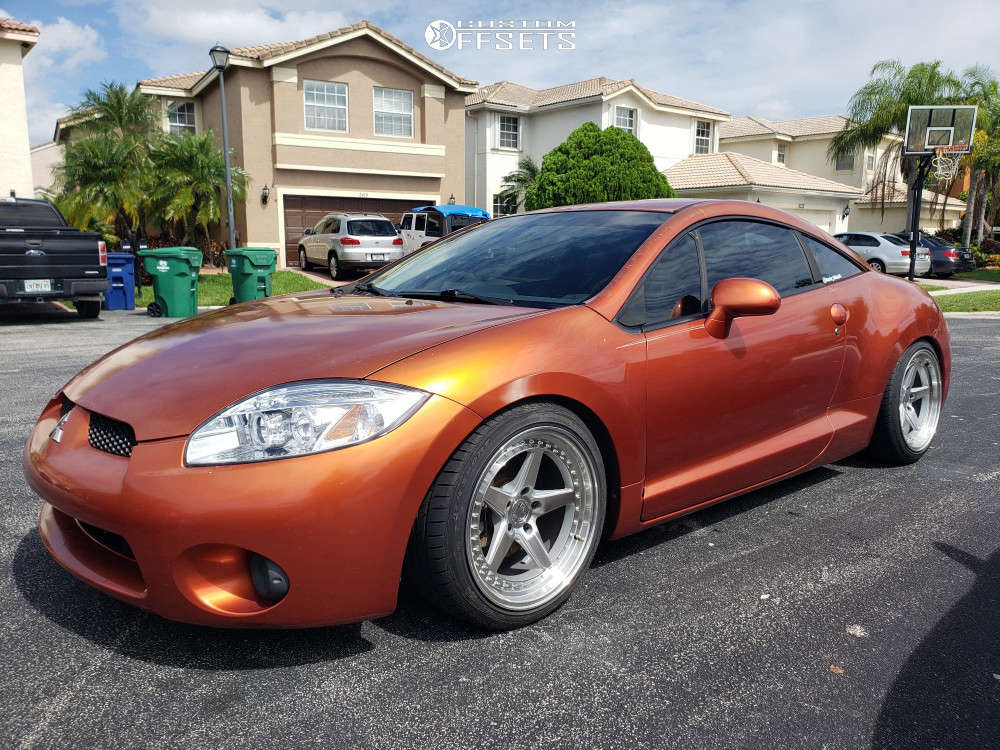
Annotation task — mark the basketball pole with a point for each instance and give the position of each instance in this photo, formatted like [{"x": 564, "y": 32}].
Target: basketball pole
[{"x": 918, "y": 198}]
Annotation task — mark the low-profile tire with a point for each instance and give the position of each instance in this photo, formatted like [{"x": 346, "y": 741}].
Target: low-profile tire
[
  {"x": 533, "y": 476},
  {"x": 334, "y": 267},
  {"x": 88, "y": 309},
  {"x": 877, "y": 265},
  {"x": 303, "y": 260},
  {"x": 911, "y": 407}
]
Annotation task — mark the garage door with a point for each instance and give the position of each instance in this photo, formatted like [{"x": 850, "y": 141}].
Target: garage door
[
  {"x": 303, "y": 211},
  {"x": 822, "y": 219}
]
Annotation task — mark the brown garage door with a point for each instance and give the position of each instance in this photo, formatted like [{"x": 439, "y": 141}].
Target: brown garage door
[{"x": 303, "y": 211}]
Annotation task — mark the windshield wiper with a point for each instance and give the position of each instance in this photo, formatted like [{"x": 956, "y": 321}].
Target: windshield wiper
[
  {"x": 457, "y": 295},
  {"x": 370, "y": 288}
]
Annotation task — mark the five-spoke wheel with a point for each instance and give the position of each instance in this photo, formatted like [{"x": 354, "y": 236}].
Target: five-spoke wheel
[{"x": 911, "y": 406}]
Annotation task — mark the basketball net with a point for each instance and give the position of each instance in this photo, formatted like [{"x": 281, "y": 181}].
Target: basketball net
[{"x": 945, "y": 162}]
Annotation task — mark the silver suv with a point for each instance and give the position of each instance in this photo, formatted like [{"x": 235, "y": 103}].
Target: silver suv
[{"x": 343, "y": 241}]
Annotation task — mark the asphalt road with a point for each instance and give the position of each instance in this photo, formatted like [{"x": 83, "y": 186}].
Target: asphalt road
[{"x": 855, "y": 606}]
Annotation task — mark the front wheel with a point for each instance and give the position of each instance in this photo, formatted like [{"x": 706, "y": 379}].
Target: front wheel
[
  {"x": 513, "y": 520},
  {"x": 911, "y": 407}
]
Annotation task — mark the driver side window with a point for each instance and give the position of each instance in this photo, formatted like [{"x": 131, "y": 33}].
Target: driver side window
[{"x": 755, "y": 250}]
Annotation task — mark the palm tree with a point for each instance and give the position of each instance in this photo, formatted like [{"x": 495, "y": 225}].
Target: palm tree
[
  {"x": 191, "y": 179},
  {"x": 984, "y": 161},
  {"x": 517, "y": 182},
  {"x": 879, "y": 108}
]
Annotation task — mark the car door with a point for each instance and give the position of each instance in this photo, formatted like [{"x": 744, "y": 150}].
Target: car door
[
  {"x": 415, "y": 236},
  {"x": 725, "y": 414},
  {"x": 405, "y": 229},
  {"x": 314, "y": 240}
]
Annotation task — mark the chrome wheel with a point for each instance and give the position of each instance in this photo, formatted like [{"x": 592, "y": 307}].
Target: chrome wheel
[
  {"x": 333, "y": 266},
  {"x": 302, "y": 259},
  {"x": 877, "y": 265},
  {"x": 531, "y": 523},
  {"x": 920, "y": 399}
]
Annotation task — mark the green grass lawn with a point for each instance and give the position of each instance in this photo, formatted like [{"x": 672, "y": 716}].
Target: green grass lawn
[
  {"x": 982, "y": 274},
  {"x": 931, "y": 287},
  {"x": 970, "y": 302},
  {"x": 217, "y": 288}
]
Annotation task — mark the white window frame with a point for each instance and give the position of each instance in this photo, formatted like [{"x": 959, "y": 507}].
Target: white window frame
[
  {"x": 782, "y": 153},
  {"x": 843, "y": 160},
  {"x": 499, "y": 201},
  {"x": 500, "y": 133},
  {"x": 705, "y": 140},
  {"x": 306, "y": 103},
  {"x": 632, "y": 115},
  {"x": 375, "y": 111},
  {"x": 870, "y": 159},
  {"x": 183, "y": 128}
]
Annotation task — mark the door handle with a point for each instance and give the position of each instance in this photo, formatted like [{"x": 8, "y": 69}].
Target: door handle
[{"x": 839, "y": 313}]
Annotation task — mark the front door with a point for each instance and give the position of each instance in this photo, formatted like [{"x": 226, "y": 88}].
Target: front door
[{"x": 725, "y": 414}]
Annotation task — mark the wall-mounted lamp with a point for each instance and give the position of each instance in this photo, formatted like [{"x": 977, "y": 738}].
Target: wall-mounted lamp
[
  {"x": 451, "y": 199},
  {"x": 265, "y": 193},
  {"x": 846, "y": 212}
]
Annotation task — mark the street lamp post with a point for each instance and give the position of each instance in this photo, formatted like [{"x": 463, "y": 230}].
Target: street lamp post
[{"x": 220, "y": 60}]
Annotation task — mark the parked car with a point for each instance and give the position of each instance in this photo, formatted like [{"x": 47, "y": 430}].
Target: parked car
[
  {"x": 425, "y": 224},
  {"x": 477, "y": 417},
  {"x": 43, "y": 259},
  {"x": 350, "y": 242},
  {"x": 946, "y": 259},
  {"x": 886, "y": 253}
]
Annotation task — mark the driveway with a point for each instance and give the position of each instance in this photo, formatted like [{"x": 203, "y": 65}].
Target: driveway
[{"x": 854, "y": 606}]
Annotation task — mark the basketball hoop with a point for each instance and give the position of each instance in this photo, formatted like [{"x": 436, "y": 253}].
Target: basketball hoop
[{"x": 944, "y": 165}]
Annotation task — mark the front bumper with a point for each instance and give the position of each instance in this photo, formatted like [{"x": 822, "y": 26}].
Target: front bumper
[
  {"x": 12, "y": 290},
  {"x": 337, "y": 522}
]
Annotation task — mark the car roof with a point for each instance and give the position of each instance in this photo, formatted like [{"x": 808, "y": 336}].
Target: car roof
[{"x": 354, "y": 215}]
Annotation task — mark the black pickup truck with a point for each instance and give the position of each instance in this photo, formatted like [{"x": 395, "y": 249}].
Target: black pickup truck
[{"x": 43, "y": 259}]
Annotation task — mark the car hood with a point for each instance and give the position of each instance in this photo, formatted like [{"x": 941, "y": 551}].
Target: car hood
[{"x": 169, "y": 381}]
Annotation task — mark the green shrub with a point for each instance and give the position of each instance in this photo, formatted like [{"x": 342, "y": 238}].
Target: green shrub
[{"x": 593, "y": 166}]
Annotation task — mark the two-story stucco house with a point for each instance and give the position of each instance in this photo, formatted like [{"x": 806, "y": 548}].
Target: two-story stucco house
[
  {"x": 350, "y": 120},
  {"x": 803, "y": 144},
  {"x": 16, "y": 40},
  {"x": 506, "y": 121}
]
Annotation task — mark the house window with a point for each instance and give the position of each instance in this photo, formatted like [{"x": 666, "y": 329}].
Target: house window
[
  {"x": 503, "y": 206},
  {"x": 625, "y": 119},
  {"x": 782, "y": 152},
  {"x": 510, "y": 132},
  {"x": 393, "y": 112},
  {"x": 870, "y": 159},
  {"x": 180, "y": 117},
  {"x": 326, "y": 106},
  {"x": 703, "y": 137},
  {"x": 845, "y": 163}
]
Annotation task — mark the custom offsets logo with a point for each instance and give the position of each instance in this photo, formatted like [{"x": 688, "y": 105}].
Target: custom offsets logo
[{"x": 501, "y": 35}]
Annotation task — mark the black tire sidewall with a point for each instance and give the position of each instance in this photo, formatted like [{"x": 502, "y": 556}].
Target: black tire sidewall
[
  {"x": 888, "y": 439},
  {"x": 500, "y": 430}
]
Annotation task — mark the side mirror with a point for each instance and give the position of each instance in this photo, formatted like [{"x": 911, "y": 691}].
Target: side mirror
[
  {"x": 308, "y": 231},
  {"x": 738, "y": 297}
]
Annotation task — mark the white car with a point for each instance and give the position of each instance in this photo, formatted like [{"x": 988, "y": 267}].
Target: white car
[
  {"x": 343, "y": 241},
  {"x": 886, "y": 253},
  {"x": 426, "y": 224}
]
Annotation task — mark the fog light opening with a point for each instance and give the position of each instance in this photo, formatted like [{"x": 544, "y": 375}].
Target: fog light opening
[{"x": 269, "y": 580}]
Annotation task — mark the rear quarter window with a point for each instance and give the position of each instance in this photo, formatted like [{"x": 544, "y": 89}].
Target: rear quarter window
[{"x": 832, "y": 265}]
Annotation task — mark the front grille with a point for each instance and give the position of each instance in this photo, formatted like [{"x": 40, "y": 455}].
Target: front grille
[
  {"x": 108, "y": 539},
  {"x": 110, "y": 435}
]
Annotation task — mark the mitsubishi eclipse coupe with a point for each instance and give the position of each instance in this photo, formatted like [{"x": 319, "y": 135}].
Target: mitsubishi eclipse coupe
[{"x": 478, "y": 416}]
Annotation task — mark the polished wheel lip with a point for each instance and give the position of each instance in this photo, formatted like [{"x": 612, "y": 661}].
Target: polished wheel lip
[
  {"x": 920, "y": 400},
  {"x": 547, "y": 567},
  {"x": 302, "y": 259}
]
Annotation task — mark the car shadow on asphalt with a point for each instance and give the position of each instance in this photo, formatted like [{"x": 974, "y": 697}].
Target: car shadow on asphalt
[
  {"x": 947, "y": 695},
  {"x": 35, "y": 314},
  {"x": 80, "y": 609},
  {"x": 611, "y": 552}
]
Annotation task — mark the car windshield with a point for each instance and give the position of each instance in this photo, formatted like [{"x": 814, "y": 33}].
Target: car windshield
[
  {"x": 371, "y": 228},
  {"x": 541, "y": 260}
]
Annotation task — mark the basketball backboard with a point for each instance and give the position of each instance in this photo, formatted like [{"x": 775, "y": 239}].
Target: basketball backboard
[{"x": 932, "y": 127}]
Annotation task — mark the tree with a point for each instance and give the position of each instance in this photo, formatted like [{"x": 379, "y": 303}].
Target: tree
[
  {"x": 594, "y": 165},
  {"x": 879, "y": 108},
  {"x": 984, "y": 161},
  {"x": 106, "y": 172},
  {"x": 516, "y": 184},
  {"x": 190, "y": 181}
]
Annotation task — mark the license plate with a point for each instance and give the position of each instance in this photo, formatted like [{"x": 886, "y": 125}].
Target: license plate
[
  {"x": 377, "y": 256},
  {"x": 38, "y": 285}
]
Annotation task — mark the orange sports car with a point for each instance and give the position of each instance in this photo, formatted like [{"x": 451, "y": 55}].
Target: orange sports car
[{"x": 479, "y": 415}]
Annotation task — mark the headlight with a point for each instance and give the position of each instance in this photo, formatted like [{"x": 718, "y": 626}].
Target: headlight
[{"x": 301, "y": 418}]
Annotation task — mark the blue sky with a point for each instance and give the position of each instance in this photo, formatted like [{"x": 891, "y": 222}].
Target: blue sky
[{"x": 777, "y": 60}]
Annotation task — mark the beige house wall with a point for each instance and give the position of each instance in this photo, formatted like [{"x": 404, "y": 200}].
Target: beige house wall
[
  {"x": 864, "y": 219},
  {"x": 15, "y": 156}
]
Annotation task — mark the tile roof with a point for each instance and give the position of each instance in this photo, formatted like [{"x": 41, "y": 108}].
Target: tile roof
[
  {"x": 263, "y": 52},
  {"x": 9, "y": 24},
  {"x": 896, "y": 196},
  {"x": 518, "y": 95},
  {"x": 730, "y": 169},
  {"x": 742, "y": 127}
]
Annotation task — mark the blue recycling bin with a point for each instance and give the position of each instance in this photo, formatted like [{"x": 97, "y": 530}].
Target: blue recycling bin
[{"x": 121, "y": 282}]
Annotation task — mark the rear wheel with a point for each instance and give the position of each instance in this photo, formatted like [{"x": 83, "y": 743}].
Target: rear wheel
[
  {"x": 333, "y": 266},
  {"x": 88, "y": 309},
  {"x": 303, "y": 260},
  {"x": 877, "y": 265},
  {"x": 911, "y": 407},
  {"x": 513, "y": 520}
]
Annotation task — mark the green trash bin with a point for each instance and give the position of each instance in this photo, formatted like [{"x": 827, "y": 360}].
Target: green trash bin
[
  {"x": 251, "y": 269},
  {"x": 175, "y": 280}
]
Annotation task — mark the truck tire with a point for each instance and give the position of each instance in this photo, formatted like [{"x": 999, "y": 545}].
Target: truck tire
[{"x": 88, "y": 309}]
